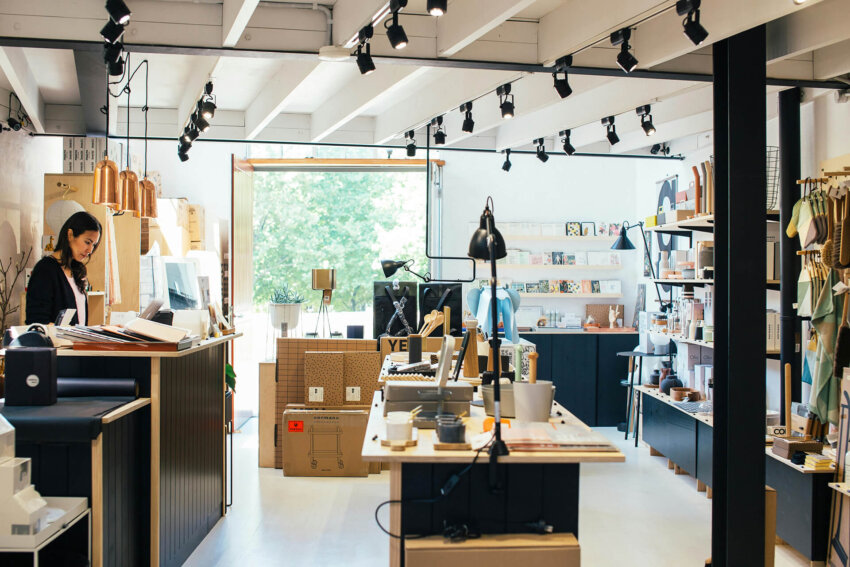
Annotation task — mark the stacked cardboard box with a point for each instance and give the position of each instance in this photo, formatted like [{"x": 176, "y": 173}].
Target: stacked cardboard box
[
  {"x": 80, "y": 155},
  {"x": 324, "y": 442}
]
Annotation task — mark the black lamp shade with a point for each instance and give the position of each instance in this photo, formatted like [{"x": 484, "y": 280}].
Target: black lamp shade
[
  {"x": 396, "y": 35},
  {"x": 695, "y": 32},
  {"x": 626, "y": 60},
  {"x": 118, "y": 11},
  {"x": 623, "y": 242},
  {"x": 112, "y": 32},
  {"x": 208, "y": 109},
  {"x": 478, "y": 248},
  {"x": 365, "y": 63},
  {"x": 507, "y": 108},
  {"x": 437, "y": 7},
  {"x": 390, "y": 267}
]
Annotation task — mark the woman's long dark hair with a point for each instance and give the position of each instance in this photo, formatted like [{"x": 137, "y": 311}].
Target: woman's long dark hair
[{"x": 78, "y": 223}]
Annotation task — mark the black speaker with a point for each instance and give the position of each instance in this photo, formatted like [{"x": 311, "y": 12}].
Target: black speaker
[{"x": 30, "y": 376}]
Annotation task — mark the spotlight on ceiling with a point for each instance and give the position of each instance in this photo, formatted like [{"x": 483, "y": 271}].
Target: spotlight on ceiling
[
  {"x": 112, "y": 56},
  {"x": 440, "y": 134},
  {"x": 562, "y": 86},
  {"x": 208, "y": 102},
  {"x": 190, "y": 134},
  {"x": 565, "y": 138},
  {"x": 541, "y": 150},
  {"x": 625, "y": 59},
  {"x": 395, "y": 32},
  {"x": 693, "y": 29},
  {"x": 507, "y": 165},
  {"x": 645, "y": 119},
  {"x": 14, "y": 124},
  {"x": 112, "y": 32},
  {"x": 183, "y": 151},
  {"x": 468, "y": 123},
  {"x": 118, "y": 11},
  {"x": 364, "y": 50},
  {"x": 438, "y": 7},
  {"x": 410, "y": 142},
  {"x": 199, "y": 121},
  {"x": 662, "y": 148},
  {"x": 612, "y": 136},
  {"x": 506, "y": 101}
]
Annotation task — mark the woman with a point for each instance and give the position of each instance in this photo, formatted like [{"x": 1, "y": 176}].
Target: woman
[{"x": 58, "y": 281}]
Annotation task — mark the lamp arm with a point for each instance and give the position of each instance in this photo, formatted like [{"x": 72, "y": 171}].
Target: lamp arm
[
  {"x": 426, "y": 277},
  {"x": 662, "y": 304}
]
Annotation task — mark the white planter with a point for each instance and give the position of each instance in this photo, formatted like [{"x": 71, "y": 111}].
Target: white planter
[{"x": 289, "y": 313}]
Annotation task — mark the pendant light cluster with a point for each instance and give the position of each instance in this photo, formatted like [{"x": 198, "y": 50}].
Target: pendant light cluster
[
  {"x": 395, "y": 31},
  {"x": 199, "y": 122}
]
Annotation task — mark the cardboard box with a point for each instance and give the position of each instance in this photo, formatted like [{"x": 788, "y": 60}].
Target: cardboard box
[
  {"x": 502, "y": 550},
  {"x": 360, "y": 376},
  {"x": 786, "y": 448},
  {"x": 324, "y": 383},
  {"x": 324, "y": 442},
  {"x": 267, "y": 421}
]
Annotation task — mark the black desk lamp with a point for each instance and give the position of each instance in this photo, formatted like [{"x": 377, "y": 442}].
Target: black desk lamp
[
  {"x": 390, "y": 267},
  {"x": 623, "y": 243},
  {"x": 487, "y": 243}
]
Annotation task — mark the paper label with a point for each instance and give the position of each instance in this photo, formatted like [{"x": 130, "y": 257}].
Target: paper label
[
  {"x": 352, "y": 394},
  {"x": 296, "y": 427},
  {"x": 32, "y": 380},
  {"x": 317, "y": 394}
]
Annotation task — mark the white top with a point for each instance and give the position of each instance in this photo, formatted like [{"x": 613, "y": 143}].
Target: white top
[{"x": 81, "y": 300}]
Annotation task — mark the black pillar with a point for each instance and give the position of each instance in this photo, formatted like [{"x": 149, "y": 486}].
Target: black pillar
[
  {"x": 789, "y": 173},
  {"x": 740, "y": 338}
]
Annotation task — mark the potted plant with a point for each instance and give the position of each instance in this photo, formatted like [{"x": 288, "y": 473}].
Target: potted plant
[{"x": 285, "y": 307}]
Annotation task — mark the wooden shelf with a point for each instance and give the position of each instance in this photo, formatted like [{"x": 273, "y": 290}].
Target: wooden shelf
[
  {"x": 683, "y": 282},
  {"x": 574, "y": 295},
  {"x": 704, "y": 223},
  {"x": 561, "y": 237},
  {"x": 656, "y": 393},
  {"x": 552, "y": 266},
  {"x": 842, "y": 487},
  {"x": 681, "y": 339},
  {"x": 799, "y": 468}
]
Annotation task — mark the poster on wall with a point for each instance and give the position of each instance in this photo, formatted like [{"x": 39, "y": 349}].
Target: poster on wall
[
  {"x": 640, "y": 304},
  {"x": 667, "y": 189}
]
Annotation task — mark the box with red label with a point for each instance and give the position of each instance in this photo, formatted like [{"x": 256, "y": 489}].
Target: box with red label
[{"x": 324, "y": 442}]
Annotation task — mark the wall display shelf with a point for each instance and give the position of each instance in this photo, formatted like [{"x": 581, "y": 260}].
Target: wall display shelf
[
  {"x": 842, "y": 487},
  {"x": 574, "y": 295},
  {"x": 683, "y": 282},
  {"x": 562, "y": 237}
]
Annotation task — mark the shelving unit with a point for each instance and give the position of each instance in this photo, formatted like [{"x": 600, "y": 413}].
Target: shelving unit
[
  {"x": 575, "y": 267},
  {"x": 703, "y": 223},
  {"x": 683, "y": 282},
  {"x": 842, "y": 487},
  {"x": 562, "y": 237},
  {"x": 574, "y": 295}
]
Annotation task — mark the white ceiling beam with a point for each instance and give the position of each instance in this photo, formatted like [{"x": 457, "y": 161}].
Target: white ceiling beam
[
  {"x": 351, "y": 15},
  {"x": 203, "y": 70},
  {"x": 359, "y": 94},
  {"x": 468, "y": 21},
  {"x": 443, "y": 94},
  {"x": 806, "y": 30},
  {"x": 235, "y": 15},
  {"x": 14, "y": 64},
  {"x": 272, "y": 98},
  {"x": 612, "y": 98},
  {"x": 832, "y": 61},
  {"x": 64, "y": 119}
]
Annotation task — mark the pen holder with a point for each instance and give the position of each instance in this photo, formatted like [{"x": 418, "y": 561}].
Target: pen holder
[
  {"x": 399, "y": 426},
  {"x": 533, "y": 402},
  {"x": 451, "y": 430}
]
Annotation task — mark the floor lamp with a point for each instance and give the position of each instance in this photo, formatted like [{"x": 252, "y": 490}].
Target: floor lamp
[{"x": 487, "y": 243}]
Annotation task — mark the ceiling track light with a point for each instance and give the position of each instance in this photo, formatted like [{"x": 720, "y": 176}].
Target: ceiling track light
[
  {"x": 395, "y": 32},
  {"x": 611, "y": 133},
  {"x": 625, "y": 60},
  {"x": 118, "y": 11},
  {"x": 692, "y": 28},
  {"x": 439, "y": 134},
  {"x": 207, "y": 102},
  {"x": 410, "y": 142},
  {"x": 111, "y": 32},
  {"x": 541, "y": 150},
  {"x": 662, "y": 148},
  {"x": 438, "y": 7},
  {"x": 562, "y": 86},
  {"x": 565, "y": 139},
  {"x": 468, "y": 123},
  {"x": 199, "y": 121},
  {"x": 506, "y": 101},
  {"x": 645, "y": 119},
  {"x": 507, "y": 165},
  {"x": 364, "y": 50}
]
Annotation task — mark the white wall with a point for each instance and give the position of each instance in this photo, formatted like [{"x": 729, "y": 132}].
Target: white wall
[
  {"x": 563, "y": 189},
  {"x": 23, "y": 162}
]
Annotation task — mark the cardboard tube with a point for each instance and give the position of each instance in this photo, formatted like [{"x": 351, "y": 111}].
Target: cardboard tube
[
  {"x": 532, "y": 367},
  {"x": 788, "y": 398}
]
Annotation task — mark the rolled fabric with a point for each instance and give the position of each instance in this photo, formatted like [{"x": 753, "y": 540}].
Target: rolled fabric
[{"x": 91, "y": 387}]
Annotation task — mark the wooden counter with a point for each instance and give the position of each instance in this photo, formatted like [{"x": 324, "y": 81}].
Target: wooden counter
[{"x": 537, "y": 485}]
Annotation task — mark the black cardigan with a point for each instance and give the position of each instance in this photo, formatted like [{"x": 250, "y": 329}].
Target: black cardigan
[{"x": 49, "y": 292}]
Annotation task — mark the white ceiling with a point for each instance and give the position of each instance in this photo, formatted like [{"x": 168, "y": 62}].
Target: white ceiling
[{"x": 276, "y": 97}]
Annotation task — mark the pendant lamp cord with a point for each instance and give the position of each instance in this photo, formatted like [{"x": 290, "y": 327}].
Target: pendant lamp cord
[{"x": 127, "y": 88}]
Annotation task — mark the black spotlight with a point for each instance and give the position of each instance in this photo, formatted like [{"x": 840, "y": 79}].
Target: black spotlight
[
  {"x": 364, "y": 60},
  {"x": 562, "y": 86},
  {"x": 693, "y": 29},
  {"x": 200, "y": 122},
  {"x": 112, "y": 52},
  {"x": 625, "y": 60},
  {"x": 116, "y": 68},
  {"x": 663, "y": 149},
  {"x": 568, "y": 147},
  {"x": 507, "y": 165},
  {"x": 112, "y": 32},
  {"x": 541, "y": 151},
  {"x": 190, "y": 134},
  {"x": 118, "y": 11},
  {"x": 208, "y": 102},
  {"x": 438, "y": 7},
  {"x": 645, "y": 119},
  {"x": 612, "y": 136},
  {"x": 183, "y": 151},
  {"x": 506, "y": 101},
  {"x": 440, "y": 134},
  {"x": 14, "y": 124},
  {"x": 395, "y": 32},
  {"x": 468, "y": 123},
  {"x": 410, "y": 142}
]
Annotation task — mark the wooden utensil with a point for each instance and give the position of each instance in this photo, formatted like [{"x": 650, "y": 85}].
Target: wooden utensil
[
  {"x": 447, "y": 320},
  {"x": 532, "y": 367},
  {"x": 470, "y": 357},
  {"x": 697, "y": 191}
]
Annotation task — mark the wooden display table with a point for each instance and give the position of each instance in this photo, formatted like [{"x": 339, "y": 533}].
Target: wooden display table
[{"x": 538, "y": 485}]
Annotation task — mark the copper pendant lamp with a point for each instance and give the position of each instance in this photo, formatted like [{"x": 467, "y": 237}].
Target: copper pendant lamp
[
  {"x": 148, "y": 191},
  {"x": 130, "y": 197},
  {"x": 106, "y": 190}
]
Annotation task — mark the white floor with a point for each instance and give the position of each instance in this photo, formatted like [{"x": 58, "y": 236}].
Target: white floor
[{"x": 637, "y": 513}]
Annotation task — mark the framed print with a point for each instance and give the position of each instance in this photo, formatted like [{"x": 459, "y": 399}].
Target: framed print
[
  {"x": 573, "y": 229},
  {"x": 588, "y": 229}
]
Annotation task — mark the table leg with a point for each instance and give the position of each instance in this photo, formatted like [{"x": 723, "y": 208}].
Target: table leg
[
  {"x": 630, "y": 395},
  {"x": 395, "y": 514},
  {"x": 637, "y": 410}
]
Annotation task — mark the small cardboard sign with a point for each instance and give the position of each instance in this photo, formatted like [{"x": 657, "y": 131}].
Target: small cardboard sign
[{"x": 295, "y": 427}]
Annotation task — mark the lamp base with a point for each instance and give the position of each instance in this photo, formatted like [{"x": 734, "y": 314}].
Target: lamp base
[{"x": 498, "y": 449}]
